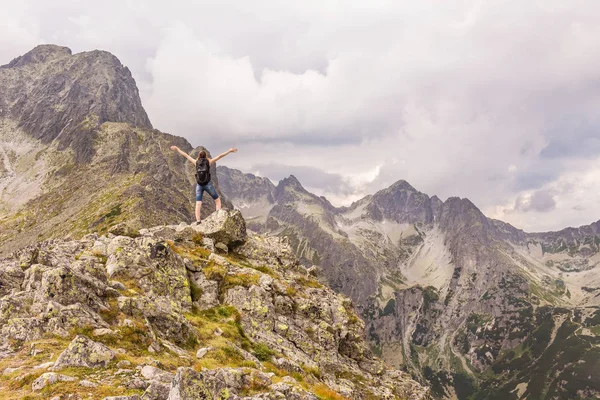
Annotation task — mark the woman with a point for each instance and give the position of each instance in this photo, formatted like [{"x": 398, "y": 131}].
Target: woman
[{"x": 203, "y": 177}]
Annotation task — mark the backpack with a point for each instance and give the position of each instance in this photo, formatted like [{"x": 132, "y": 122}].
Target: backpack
[{"x": 202, "y": 171}]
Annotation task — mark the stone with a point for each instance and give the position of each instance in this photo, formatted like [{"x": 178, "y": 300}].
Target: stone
[
  {"x": 136, "y": 383},
  {"x": 156, "y": 391},
  {"x": 202, "y": 352},
  {"x": 208, "y": 289},
  {"x": 225, "y": 226},
  {"x": 47, "y": 365},
  {"x": 156, "y": 374},
  {"x": 49, "y": 378},
  {"x": 9, "y": 370},
  {"x": 102, "y": 332},
  {"x": 188, "y": 385},
  {"x": 123, "y": 364},
  {"x": 123, "y": 229},
  {"x": 175, "y": 349},
  {"x": 117, "y": 285},
  {"x": 88, "y": 384},
  {"x": 287, "y": 365},
  {"x": 222, "y": 247},
  {"x": 208, "y": 244},
  {"x": 134, "y": 397},
  {"x": 83, "y": 352}
]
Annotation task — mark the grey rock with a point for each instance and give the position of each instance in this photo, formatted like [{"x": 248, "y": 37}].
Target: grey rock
[
  {"x": 123, "y": 364},
  {"x": 157, "y": 391},
  {"x": 49, "y": 378},
  {"x": 188, "y": 385},
  {"x": 83, "y": 352},
  {"x": 156, "y": 374},
  {"x": 8, "y": 371},
  {"x": 222, "y": 247},
  {"x": 227, "y": 227},
  {"x": 202, "y": 352},
  {"x": 136, "y": 383}
]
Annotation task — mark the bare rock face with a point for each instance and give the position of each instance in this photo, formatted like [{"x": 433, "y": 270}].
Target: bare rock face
[
  {"x": 83, "y": 352},
  {"x": 223, "y": 226},
  {"x": 69, "y": 95}
]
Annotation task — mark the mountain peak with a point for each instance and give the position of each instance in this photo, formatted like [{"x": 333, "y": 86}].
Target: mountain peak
[
  {"x": 40, "y": 54},
  {"x": 70, "y": 99},
  {"x": 292, "y": 182},
  {"x": 402, "y": 185}
]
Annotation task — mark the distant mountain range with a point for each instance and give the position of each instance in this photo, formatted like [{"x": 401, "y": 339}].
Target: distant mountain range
[{"x": 474, "y": 306}]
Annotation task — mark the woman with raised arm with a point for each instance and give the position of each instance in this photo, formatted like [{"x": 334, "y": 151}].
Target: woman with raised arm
[{"x": 203, "y": 182}]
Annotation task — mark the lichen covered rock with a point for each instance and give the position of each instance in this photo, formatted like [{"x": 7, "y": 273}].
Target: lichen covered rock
[
  {"x": 247, "y": 321},
  {"x": 84, "y": 352},
  {"x": 224, "y": 226},
  {"x": 188, "y": 385}
]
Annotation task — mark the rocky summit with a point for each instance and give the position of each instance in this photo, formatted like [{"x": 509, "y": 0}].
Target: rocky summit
[
  {"x": 181, "y": 312},
  {"x": 78, "y": 153}
]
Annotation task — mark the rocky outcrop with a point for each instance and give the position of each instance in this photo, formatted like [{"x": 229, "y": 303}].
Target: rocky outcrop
[
  {"x": 224, "y": 227},
  {"x": 162, "y": 316},
  {"x": 93, "y": 160},
  {"x": 83, "y": 352}
]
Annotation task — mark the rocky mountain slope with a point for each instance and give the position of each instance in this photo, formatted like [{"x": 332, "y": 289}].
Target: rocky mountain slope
[
  {"x": 78, "y": 152},
  {"x": 475, "y": 306},
  {"x": 180, "y": 312}
]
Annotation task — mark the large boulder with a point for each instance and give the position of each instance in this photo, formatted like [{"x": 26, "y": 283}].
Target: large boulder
[
  {"x": 224, "y": 226},
  {"x": 84, "y": 352}
]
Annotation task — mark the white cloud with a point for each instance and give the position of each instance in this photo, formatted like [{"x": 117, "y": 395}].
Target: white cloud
[{"x": 494, "y": 101}]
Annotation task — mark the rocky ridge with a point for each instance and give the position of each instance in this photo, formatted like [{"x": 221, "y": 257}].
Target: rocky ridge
[
  {"x": 181, "y": 312},
  {"x": 78, "y": 153}
]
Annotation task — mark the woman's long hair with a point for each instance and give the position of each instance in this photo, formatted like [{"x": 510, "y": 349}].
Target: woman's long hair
[{"x": 202, "y": 154}]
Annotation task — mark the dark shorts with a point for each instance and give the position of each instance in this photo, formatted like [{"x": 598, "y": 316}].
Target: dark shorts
[{"x": 209, "y": 188}]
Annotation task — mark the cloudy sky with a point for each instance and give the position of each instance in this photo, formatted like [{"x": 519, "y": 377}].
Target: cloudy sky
[{"x": 497, "y": 101}]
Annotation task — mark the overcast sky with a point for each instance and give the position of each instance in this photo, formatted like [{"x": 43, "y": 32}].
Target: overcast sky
[{"x": 497, "y": 101}]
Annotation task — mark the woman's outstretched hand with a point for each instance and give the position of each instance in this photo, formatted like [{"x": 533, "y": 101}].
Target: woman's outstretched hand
[
  {"x": 174, "y": 148},
  {"x": 232, "y": 150}
]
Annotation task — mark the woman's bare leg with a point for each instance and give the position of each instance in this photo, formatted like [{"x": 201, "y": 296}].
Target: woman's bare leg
[
  {"x": 198, "y": 207},
  {"x": 218, "y": 203}
]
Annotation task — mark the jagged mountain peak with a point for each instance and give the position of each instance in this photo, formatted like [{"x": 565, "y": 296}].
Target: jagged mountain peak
[
  {"x": 289, "y": 189},
  {"x": 40, "y": 54},
  {"x": 401, "y": 185},
  {"x": 53, "y": 94},
  {"x": 291, "y": 181}
]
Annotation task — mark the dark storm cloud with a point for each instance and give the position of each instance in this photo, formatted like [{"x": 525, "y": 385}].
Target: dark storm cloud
[
  {"x": 534, "y": 179},
  {"x": 542, "y": 201}
]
